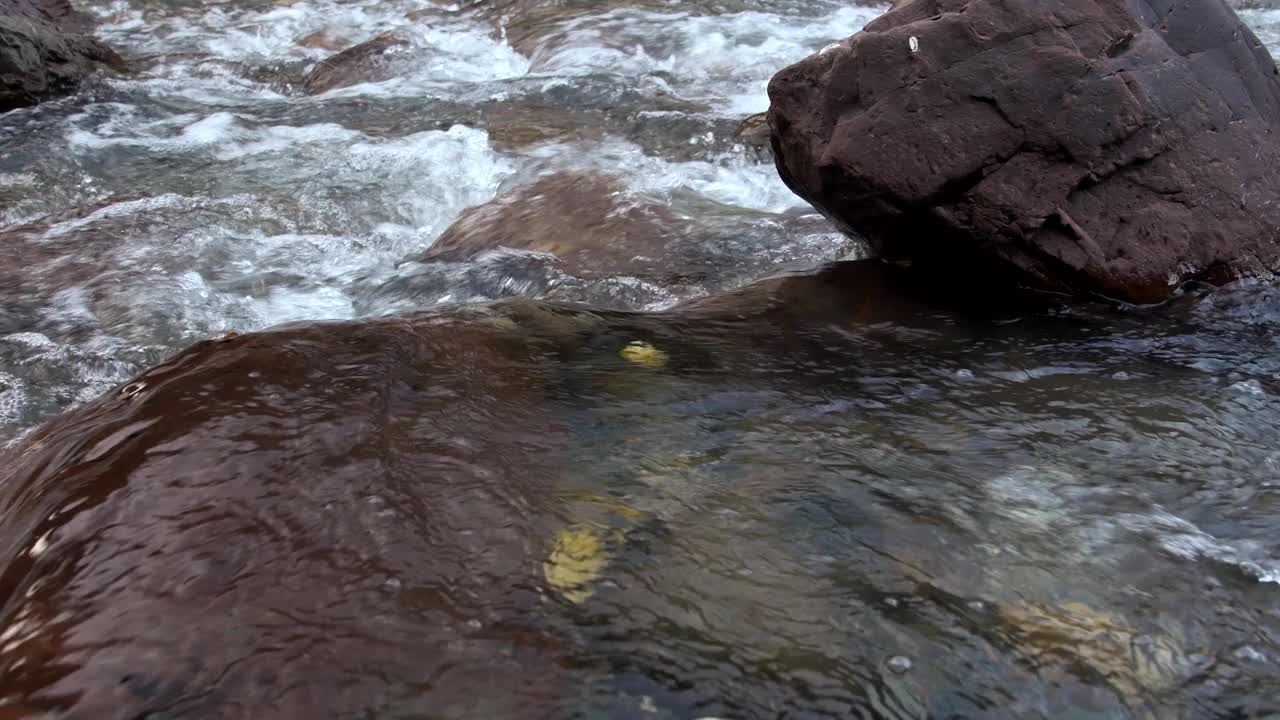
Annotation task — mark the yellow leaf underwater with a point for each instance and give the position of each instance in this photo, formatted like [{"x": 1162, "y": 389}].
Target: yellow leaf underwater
[
  {"x": 576, "y": 559},
  {"x": 1073, "y": 633},
  {"x": 642, "y": 353}
]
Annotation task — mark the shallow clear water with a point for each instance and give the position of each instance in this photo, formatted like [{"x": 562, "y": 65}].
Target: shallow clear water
[{"x": 1060, "y": 514}]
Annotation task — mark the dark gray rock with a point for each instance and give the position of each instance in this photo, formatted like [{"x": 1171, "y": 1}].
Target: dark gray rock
[
  {"x": 1105, "y": 147},
  {"x": 45, "y": 51},
  {"x": 58, "y": 13}
]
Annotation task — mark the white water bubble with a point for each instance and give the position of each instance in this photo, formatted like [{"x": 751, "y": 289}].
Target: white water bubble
[
  {"x": 899, "y": 664},
  {"x": 1249, "y": 387}
]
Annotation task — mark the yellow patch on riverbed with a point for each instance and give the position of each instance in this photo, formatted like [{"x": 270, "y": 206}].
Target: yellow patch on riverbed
[
  {"x": 643, "y": 353},
  {"x": 1074, "y": 634},
  {"x": 577, "y": 557}
]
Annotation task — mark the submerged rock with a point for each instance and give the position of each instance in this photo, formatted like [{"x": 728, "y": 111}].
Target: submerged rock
[
  {"x": 46, "y": 50},
  {"x": 1073, "y": 637},
  {"x": 585, "y": 220},
  {"x": 324, "y": 40},
  {"x": 535, "y": 27},
  {"x": 370, "y": 61},
  {"x": 753, "y": 132},
  {"x": 377, "y": 502},
  {"x": 1093, "y": 148},
  {"x": 585, "y": 237},
  {"x": 319, "y": 520}
]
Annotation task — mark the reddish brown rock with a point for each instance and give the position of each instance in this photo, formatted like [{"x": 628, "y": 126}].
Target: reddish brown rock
[
  {"x": 370, "y": 61},
  {"x": 1103, "y": 147},
  {"x": 535, "y": 27},
  {"x": 333, "y": 520},
  {"x": 345, "y": 519},
  {"x": 585, "y": 219},
  {"x": 324, "y": 40}
]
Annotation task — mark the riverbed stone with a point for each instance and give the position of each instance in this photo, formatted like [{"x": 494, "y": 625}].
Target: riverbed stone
[
  {"x": 371, "y": 61},
  {"x": 1101, "y": 148},
  {"x": 586, "y": 220},
  {"x": 337, "y": 494}
]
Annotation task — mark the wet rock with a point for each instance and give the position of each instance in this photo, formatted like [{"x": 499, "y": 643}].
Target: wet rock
[
  {"x": 58, "y": 13},
  {"x": 1084, "y": 148},
  {"x": 585, "y": 237},
  {"x": 1072, "y": 637},
  {"x": 282, "y": 77},
  {"x": 851, "y": 293},
  {"x": 586, "y": 220},
  {"x": 529, "y": 111},
  {"x": 753, "y": 132},
  {"x": 160, "y": 552},
  {"x": 590, "y": 110},
  {"x": 536, "y": 27},
  {"x": 45, "y": 51},
  {"x": 324, "y": 40},
  {"x": 370, "y": 61},
  {"x": 516, "y": 126}
]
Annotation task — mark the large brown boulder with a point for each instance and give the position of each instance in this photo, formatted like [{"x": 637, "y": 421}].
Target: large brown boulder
[
  {"x": 356, "y": 519},
  {"x": 1105, "y": 147},
  {"x": 46, "y": 49},
  {"x": 333, "y": 520}
]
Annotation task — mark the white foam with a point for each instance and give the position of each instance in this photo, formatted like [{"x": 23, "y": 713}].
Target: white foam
[
  {"x": 1183, "y": 539},
  {"x": 443, "y": 51},
  {"x": 222, "y": 132},
  {"x": 210, "y": 130},
  {"x": 288, "y": 305},
  {"x": 279, "y": 138},
  {"x": 115, "y": 210},
  {"x": 13, "y": 397},
  {"x": 730, "y": 179},
  {"x": 432, "y": 176},
  {"x": 726, "y": 57},
  {"x": 1266, "y": 25},
  {"x": 411, "y": 187}
]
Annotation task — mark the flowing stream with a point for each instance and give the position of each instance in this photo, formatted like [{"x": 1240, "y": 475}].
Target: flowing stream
[{"x": 1056, "y": 515}]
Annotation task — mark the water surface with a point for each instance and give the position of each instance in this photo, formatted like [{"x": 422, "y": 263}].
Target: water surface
[{"x": 792, "y": 514}]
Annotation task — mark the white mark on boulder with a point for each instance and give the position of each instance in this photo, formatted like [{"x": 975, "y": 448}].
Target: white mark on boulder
[
  {"x": 828, "y": 49},
  {"x": 913, "y": 42}
]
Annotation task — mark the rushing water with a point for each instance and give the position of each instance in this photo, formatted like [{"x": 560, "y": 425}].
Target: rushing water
[{"x": 922, "y": 514}]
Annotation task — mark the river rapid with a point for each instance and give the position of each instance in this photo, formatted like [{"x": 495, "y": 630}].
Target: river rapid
[{"x": 1052, "y": 514}]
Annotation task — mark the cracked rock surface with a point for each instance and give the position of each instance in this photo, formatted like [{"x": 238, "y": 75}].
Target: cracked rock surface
[{"x": 1103, "y": 147}]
